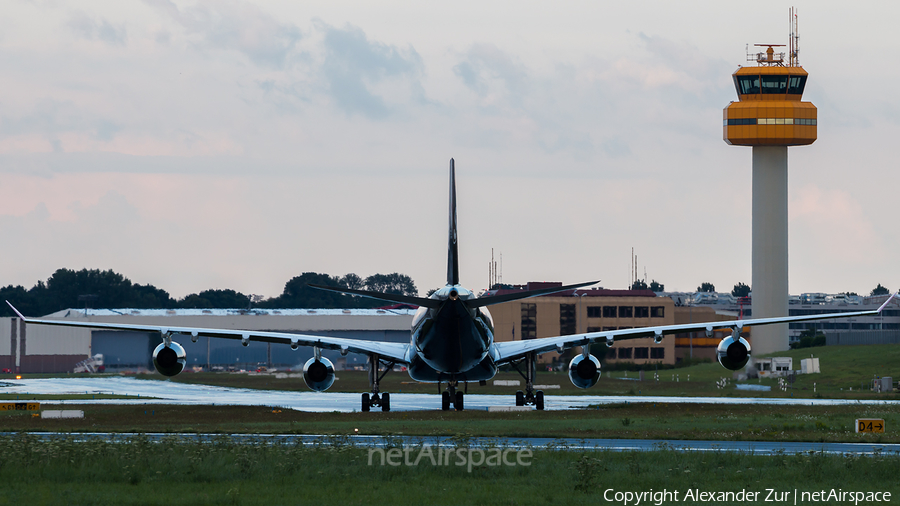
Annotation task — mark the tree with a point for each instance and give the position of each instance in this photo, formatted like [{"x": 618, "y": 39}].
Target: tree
[
  {"x": 297, "y": 294},
  {"x": 352, "y": 281},
  {"x": 657, "y": 287},
  {"x": 741, "y": 290},
  {"x": 215, "y": 299},
  {"x": 23, "y": 299},
  {"x": 639, "y": 285},
  {"x": 880, "y": 290},
  {"x": 400, "y": 284},
  {"x": 106, "y": 289},
  {"x": 706, "y": 287},
  {"x": 809, "y": 338}
]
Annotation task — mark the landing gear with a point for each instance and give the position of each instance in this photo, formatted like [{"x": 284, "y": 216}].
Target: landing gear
[
  {"x": 452, "y": 396},
  {"x": 376, "y": 398},
  {"x": 529, "y": 397}
]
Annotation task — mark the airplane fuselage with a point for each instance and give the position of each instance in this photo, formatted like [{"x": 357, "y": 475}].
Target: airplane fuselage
[{"x": 452, "y": 341}]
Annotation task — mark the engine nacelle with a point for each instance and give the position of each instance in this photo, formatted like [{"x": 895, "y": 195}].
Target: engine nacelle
[
  {"x": 318, "y": 374},
  {"x": 733, "y": 353},
  {"x": 169, "y": 360},
  {"x": 584, "y": 372}
]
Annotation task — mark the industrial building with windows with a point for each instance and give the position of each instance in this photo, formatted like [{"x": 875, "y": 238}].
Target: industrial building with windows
[{"x": 595, "y": 310}]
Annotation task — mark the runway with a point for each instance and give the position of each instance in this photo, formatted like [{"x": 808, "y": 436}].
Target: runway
[
  {"x": 560, "y": 444},
  {"x": 168, "y": 392}
]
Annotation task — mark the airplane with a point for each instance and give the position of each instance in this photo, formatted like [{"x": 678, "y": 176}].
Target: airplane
[{"x": 452, "y": 339}]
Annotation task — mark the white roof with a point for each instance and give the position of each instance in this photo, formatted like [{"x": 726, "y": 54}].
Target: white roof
[{"x": 80, "y": 313}]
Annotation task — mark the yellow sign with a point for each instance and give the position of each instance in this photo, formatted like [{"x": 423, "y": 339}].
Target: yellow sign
[
  {"x": 869, "y": 425},
  {"x": 20, "y": 406}
]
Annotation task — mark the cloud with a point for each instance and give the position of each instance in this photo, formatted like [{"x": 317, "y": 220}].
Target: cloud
[
  {"x": 52, "y": 125},
  {"x": 831, "y": 217},
  {"x": 516, "y": 104},
  {"x": 90, "y": 28},
  {"x": 234, "y": 26},
  {"x": 499, "y": 79},
  {"x": 354, "y": 66}
]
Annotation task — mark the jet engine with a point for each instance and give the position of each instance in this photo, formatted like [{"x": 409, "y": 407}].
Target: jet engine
[
  {"x": 318, "y": 374},
  {"x": 169, "y": 360},
  {"x": 584, "y": 372},
  {"x": 733, "y": 353}
]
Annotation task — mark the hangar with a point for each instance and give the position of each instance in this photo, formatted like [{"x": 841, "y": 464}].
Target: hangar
[{"x": 38, "y": 348}]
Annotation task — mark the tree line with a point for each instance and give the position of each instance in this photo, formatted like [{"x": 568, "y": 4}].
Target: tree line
[{"x": 94, "y": 288}]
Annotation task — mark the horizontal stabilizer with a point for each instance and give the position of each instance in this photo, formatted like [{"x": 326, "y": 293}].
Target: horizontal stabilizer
[
  {"x": 390, "y": 297},
  {"x": 497, "y": 299}
]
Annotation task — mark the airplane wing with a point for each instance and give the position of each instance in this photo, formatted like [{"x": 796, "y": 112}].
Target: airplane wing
[
  {"x": 392, "y": 351},
  {"x": 510, "y": 351}
]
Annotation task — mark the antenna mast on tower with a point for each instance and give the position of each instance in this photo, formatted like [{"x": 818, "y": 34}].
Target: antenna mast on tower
[{"x": 795, "y": 38}]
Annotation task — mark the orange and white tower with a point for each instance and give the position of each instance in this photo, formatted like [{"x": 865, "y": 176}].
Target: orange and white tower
[{"x": 769, "y": 117}]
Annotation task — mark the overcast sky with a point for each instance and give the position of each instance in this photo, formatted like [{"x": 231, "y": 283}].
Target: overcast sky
[{"x": 229, "y": 144}]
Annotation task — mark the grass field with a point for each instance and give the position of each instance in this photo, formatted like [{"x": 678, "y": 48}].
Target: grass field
[
  {"x": 177, "y": 472},
  {"x": 659, "y": 421},
  {"x": 63, "y": 397}
]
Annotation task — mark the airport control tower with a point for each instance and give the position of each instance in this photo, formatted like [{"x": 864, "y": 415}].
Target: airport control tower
[{"x": 769, "y": 117}]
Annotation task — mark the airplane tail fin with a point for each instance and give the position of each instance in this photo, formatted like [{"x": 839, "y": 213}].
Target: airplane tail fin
[{"x": 452, "y": 248}]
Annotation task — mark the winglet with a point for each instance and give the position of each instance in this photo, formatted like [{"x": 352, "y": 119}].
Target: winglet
[
  {"x": 897, "y": 294},
  {"x": 16, "y": 310}
]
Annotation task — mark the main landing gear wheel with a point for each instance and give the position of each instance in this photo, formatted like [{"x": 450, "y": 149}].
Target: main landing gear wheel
[
  {"x": 376, "y": 398},
  {"x": 451, "y": 396},
  {"x": 529, "y": 397}
]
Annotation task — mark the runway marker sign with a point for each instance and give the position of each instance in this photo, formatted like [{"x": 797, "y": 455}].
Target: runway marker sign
[
  {"x": 870, "y": 425},
  {"x": 20, "y": 406}
]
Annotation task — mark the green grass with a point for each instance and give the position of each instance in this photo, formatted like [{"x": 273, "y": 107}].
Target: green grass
[
  {"x": 179, "y": 471},
  {"x": 64, "y": 397},
  {"x": 636, "y": 421}
]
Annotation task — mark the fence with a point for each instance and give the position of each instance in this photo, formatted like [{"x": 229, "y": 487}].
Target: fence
[{"x": 860, "y": 337}]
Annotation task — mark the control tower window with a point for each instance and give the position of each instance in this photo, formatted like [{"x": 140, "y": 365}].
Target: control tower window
[
  {"x": 774, "y": 84},
  {"x": 797, "y": 84},
  {"x": 747, "y": 85}
]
